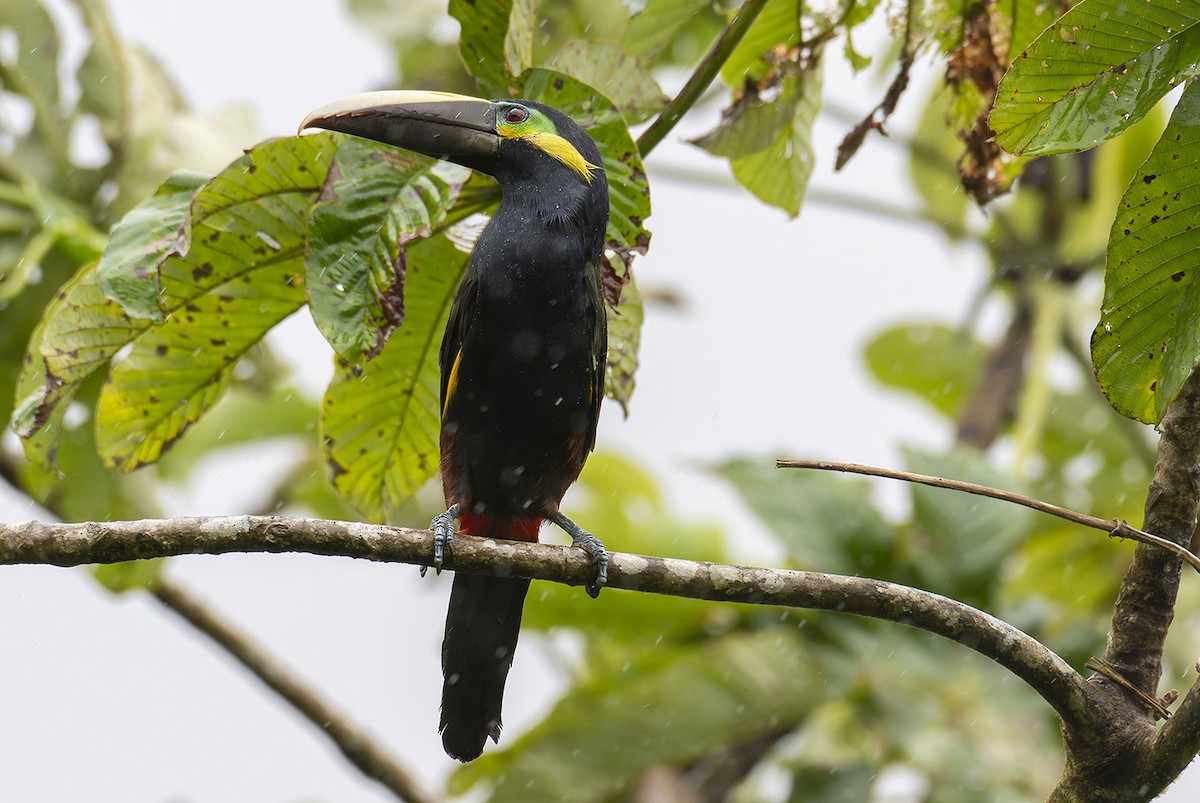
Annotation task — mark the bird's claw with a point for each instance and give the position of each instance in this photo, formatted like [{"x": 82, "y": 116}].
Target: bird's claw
[
  {"x": 443, "y": 538},
  {"x": 593, "y": 546}
]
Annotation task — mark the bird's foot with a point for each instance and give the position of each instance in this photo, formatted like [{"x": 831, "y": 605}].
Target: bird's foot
[
  {"x": 443, "y": 537},
  {"x": 589, "y": 544}
]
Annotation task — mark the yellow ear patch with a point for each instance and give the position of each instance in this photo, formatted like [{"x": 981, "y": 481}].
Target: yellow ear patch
[{"x": 558, "y": 148}]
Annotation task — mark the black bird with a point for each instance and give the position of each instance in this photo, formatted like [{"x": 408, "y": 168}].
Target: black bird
[{"x": 522, "y": 360}]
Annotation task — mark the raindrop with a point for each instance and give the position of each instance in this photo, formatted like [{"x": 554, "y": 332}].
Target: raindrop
[{"x": 271, "y": 242}]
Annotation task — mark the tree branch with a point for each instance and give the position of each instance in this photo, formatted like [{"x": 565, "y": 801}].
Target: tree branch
[
  {"x": 702, "y": 77},
  {"x": 1176, "y": 744},
  {"x": 1114, "y": 527},
  {"x": 1146, "y": 602},
  {"x": 356, "y": 746},
  {"x": 93, "y": 542}
]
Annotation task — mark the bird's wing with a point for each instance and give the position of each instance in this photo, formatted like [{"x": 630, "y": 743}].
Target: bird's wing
[
  {"x": 462, "y": 312},
  {"x": 597, "y": 312}
]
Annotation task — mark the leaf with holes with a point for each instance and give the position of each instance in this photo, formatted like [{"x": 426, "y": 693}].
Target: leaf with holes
[
  {"x": 242, "y": 273},
  {"x": 380, "y": 423},
  {"x": 375, "y": 200},
  {"x": 1095, "y": 72},
  {"x": 79, "y": 333},
  {"x": 1148, "y": 338}
]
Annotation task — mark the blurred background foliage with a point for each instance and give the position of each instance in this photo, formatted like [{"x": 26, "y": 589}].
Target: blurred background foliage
[{"x": 711, "y": 701}]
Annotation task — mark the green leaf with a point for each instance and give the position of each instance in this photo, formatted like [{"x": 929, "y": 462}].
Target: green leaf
[
  {"x": 616, "y": 73},
  {"x": 938, "y": 364},
  {"x": 827, "y": 523},
  {"x": 964, "y": 538},
  {"x": 777, "y": 26},
  {"x": 833, "y": 784},
  {"x": 674, "y": 707},
  {"x": 496, "y": 40},
  {"x": 134, "y": 575},
  {"x": 79, "y": 333},
  {"x": 624, "y": 341},
  {"x": 34, "y": 72},
  {"x": 658, "y": 23},
  {"x": 245, "y": 415},
  {"x": 1095, "y": 72},
  {"x": 1028, "y": 18},
  {"x": 769, "y": 143},
  {"x": 375, "y": 201},
  {"x": 103, "y": 76},
  {"x": 1148, "y": 340},
  {"x": 931, "y": 166},
  {"x": 242, "y": 273},
  {"x": 147, "y": 235},
  {"x": 177, "y": 370},
  {"x": 380, "y": 423}
]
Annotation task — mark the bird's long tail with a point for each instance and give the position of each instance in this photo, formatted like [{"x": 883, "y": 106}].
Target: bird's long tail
[{"x": 481, "y": 634}]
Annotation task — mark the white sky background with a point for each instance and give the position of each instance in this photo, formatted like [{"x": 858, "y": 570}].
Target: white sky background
[{"x": 111, "y": 699}]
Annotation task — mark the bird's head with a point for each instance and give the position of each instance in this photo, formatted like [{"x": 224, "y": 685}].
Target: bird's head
[{"x": 517, "y": 141}]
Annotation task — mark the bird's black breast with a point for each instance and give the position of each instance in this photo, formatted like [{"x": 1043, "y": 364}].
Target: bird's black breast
[{"x": 518, "y": 421}]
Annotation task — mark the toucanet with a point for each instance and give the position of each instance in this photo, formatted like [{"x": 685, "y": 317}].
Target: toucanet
[{"x": 522, "y": 360}]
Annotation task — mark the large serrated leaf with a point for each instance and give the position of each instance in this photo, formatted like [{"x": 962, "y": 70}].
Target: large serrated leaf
[
  {"x": 674, "y": 708},
  {"x": 375, "y": 201},
  {"x": 178, "y": 369},
  {"x": 242, "y": 273},
  {"x": 1148, "y": 337},
  {"x": 380, "y": 424},
  {"x": 496, "y": 40},
  {"x": 250, "y": 215},
  {"x": 147, "y": 235},
  {"x": 1095, "y": 72}
]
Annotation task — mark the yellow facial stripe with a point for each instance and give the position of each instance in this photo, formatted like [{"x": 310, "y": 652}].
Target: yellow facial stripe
[
  {"x": 554, "y": 146},
  {"x": 452, "y": 383},
  {"x": 563, "y": 151}
]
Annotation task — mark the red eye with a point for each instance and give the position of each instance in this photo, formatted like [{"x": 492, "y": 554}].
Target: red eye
[{"x": 515, "y": 114}]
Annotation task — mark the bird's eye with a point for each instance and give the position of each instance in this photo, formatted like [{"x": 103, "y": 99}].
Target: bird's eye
[{"x": 515, "y": 114}]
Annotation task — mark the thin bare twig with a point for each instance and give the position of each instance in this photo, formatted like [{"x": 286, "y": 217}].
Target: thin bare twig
[
  {"x": 1102, "y": 667},
  {"x": 107, "y": 542},
  {"x": 361, "y": 750},
  {"x": 1114, "y": 527}
]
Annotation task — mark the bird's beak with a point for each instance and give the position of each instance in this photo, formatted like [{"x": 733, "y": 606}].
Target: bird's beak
[{"x": 438, "y": 124}]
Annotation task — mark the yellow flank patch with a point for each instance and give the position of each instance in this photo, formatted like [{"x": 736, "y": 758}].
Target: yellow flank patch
[
  {"x": 563, "y": 151},
  {"x": 452, "y": 383}
]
